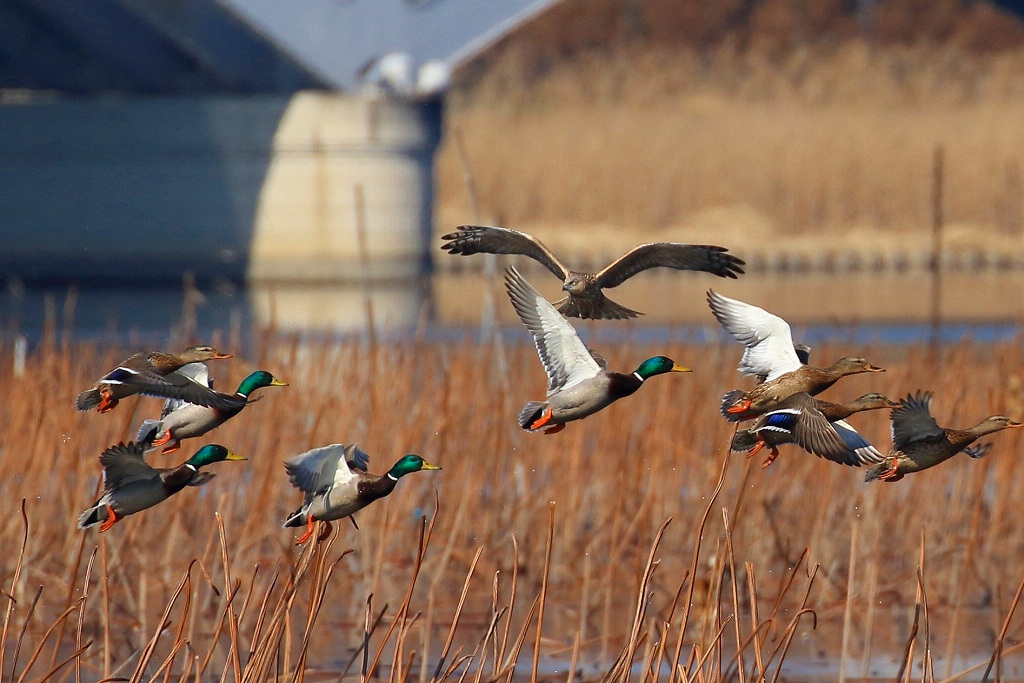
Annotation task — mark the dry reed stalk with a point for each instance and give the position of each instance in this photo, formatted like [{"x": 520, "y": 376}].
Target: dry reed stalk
[
  {"x": 545, "y": 572},
  {"x": 731, "y": 560},
  {"x": 620, "y": 672},
  {"x": 458, "y": 613},
  {"x": 164, "y": 623},
  {"x": 21, "y": 634},
  {"x": 755, "y": 624},
  {"x": 978, "y": 491},
  {"x": 997, "y": 652},
  {"x": 14, "y": 586},
  {"x": 81, "y": 616},
  {"x": 848, "y": 608},
  {"x": 782, "y": 648},
  {"x": 403, "y": 608},
  {"x": 321, "y": 581},
  {"x": 927, "y": 674},
  {"x": 439, "y": 575},
  {"x": 499, "y": 656},
  {"x": 233, "y": 652}
]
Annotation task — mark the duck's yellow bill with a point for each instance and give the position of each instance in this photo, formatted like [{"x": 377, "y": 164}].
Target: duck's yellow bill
[
  {"x": 235, "y": 456},
  {"x": 680, "y": 368},
  {"x": 428, "y": 466},
  {"x": 278, "y": 383}
]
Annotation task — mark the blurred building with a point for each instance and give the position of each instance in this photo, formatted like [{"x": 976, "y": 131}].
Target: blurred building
[{"x": 140, "y": 139}]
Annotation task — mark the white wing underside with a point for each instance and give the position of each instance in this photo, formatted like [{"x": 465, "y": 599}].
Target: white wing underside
[
  {"x": 767, "y": 338},
  {"x": 566, "y": 359},
  {"x": 319, "y": 468}
]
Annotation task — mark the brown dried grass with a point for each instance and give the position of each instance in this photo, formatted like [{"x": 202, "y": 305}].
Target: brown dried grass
[
  {"x": 691, "y": 144},
  {"x": 574, "y": 527}
]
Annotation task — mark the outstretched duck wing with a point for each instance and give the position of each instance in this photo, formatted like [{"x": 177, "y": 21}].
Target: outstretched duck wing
[
  {"x": 913, "y": 421},
  {"x": 566, "y": 359},
  {"x": 477, "y": 239},
  {"x": 704, "y": 257},
  {"x": 123, "y": 464},
  {"x": 767, "y": 338},
  {"x": 319, "y": 468}
]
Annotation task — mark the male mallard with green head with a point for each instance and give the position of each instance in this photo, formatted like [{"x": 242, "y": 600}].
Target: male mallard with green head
[
  {"x": 918, "y": 442},
  {"x": 130, "y": 485},
  {"x": 335, "y": 484},
  {"x": 584, "y": 295},
  {"x": 579, "y": 382},
  {"x": 182, "y": 420},
  {"x": 154, "y": 374},
  {"x": 769, "y": 353},
  {"x": 817, "y": 426}
]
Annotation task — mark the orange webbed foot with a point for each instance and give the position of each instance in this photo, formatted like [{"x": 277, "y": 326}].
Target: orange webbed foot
[
  {"x": 310, "y": 523},
  {"x": 757, "y": 447},
  {"x": 173, "y": 447},
  {"x": 739, "y": 407},
  {"x": 771, "y": 457},
  {"x": 544, "y": 418},
  {"x": 107, "y": 402},
  {"x": 891, "y": 474},
  {"x": 110, "y": 521},
  {"x": 163, "y": 439}
]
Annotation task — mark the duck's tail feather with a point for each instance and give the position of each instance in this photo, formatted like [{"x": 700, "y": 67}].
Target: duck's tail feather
[
  {"x": 743, "y": 440},
  {"x": 297, "y": 518},
  {"x": 89, "y": 399},
  {"x": 530, "y": 413},
  {"x": 875, "y": 471},
  {"x": 148, "y": 431},
  {"x": 94, "y": 515},
  {"x": 728, "y": 401},
  {"x": 597, "y": 307}
]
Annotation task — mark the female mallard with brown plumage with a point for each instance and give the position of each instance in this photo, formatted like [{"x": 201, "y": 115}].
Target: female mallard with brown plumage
[
  {"x": 130, "y": 485},
  {"x": 817, "y": 426},
  {"x": 918, "y": 442},
  {"x": 584, "y": 298},
  {"x": 769, "y": 353},
  {"x": 579, "y": 381},
  {"x": 336, "y": 484},
  {"x": 154, "y": 374}
]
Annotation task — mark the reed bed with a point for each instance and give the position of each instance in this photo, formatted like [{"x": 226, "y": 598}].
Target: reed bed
[
  {"x": 690, "y": 144},
  {"x": 629, "y": 547}
]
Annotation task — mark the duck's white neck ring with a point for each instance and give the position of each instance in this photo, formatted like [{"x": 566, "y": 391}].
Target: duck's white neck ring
[
  {"x": 392, "y": 477},
  {"x": 637, "y": 375},
  {"x": 191, "y": 467}
]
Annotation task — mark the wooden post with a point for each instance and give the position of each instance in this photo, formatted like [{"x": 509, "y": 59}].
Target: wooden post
[{"x": 935, "y": 316}]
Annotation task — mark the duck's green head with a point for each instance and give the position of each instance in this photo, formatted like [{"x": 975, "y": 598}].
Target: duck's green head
[
  {"x": 658, "y": 365},
  {"x": 258, "y": 380},
  {"x": 212, "y": 453},
  {"x": 408, "y": 464}
]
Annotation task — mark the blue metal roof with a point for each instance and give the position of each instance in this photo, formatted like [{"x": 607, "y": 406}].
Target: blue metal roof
[
  {"x": 233, "y": 46},
  {"x": 140, "y": 46}
]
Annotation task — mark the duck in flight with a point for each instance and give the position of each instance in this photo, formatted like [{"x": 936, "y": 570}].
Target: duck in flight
[
  {"x": 769, "y": 354},
  {"x": 918, "y": 442},
  {"x": 579, "y": 381},
  {"x": 584, "y": 298}
]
